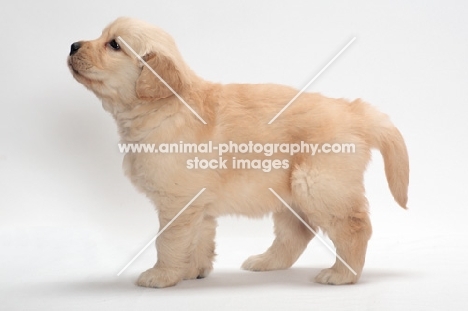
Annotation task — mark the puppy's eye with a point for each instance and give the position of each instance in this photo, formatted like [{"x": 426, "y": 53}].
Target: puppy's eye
[{"x": 114, "y": 45}]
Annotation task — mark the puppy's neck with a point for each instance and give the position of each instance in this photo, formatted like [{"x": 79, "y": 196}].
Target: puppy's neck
[{"x": 136, "y": 121}]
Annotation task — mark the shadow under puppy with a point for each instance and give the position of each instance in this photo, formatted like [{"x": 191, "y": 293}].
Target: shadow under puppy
[{"x": 326, "y": 189}]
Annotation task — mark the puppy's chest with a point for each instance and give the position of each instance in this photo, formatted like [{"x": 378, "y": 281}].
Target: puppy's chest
[{"x": 155, "y": 171}]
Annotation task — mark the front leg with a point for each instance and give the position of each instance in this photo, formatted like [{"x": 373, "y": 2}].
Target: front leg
[
  {"x": 174, "y": 249},
  {"x": 203, "y": 250}
]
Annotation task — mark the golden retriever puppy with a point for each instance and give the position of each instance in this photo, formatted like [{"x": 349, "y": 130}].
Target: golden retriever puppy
[{"x": 326, "y": 189}]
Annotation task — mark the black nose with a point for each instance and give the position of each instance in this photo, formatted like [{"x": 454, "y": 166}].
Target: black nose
[{"x": 74, "y": 48}]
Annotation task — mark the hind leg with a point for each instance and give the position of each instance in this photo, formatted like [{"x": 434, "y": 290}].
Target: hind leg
[
  {"x": 337, "y": 205},
  {"x": 292, "y": 238},
  {"x": 349, "y": 235}
]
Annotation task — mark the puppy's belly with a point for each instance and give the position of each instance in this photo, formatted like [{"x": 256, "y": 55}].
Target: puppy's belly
[
  {"x": 248, "y": 194},
  {"x": 228, "y": 192}
]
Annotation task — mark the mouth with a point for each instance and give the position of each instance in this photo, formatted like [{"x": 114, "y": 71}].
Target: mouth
[
  {"x": 78, "y": 66},
  {"x": 80, "y": 77},
  {"x": 77, "y": 74},
  {"x": 83, "y": 76},
  {"x": 72, "y": 69}
]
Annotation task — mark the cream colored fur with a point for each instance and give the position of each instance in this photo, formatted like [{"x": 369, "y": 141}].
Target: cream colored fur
[{"x": 327, "y": 190}]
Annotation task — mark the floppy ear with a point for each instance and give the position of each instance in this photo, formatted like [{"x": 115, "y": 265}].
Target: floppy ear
[{"x": 149, "y": 86}]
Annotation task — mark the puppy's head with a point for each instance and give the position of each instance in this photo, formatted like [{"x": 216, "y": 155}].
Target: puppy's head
[{"x": 109, "y": 68}]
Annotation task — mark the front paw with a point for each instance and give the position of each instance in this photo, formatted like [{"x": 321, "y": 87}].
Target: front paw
[
  {"x": 159, "y": 278},
  {"x": 198, "y": 273}
]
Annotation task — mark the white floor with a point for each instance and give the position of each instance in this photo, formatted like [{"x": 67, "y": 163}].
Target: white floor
[{"x": 74, "y": 269}]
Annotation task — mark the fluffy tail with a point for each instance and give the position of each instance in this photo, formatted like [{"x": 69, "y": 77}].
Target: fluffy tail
[{"x": 386, "y": 137}]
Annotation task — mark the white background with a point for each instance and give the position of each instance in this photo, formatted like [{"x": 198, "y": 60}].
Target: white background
[{"x": 69, "y": 220}]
